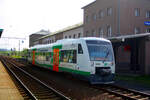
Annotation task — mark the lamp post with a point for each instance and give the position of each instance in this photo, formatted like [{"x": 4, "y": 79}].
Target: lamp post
[
  {"x": 119, "y": 17},
  {"x": 16, "y": 38}
]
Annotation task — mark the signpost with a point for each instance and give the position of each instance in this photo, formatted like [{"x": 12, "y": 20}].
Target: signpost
[{"x": 147, "y": 23}]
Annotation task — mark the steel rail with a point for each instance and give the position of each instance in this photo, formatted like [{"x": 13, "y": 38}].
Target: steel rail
[
  {"x": 131, "y": 90},
  {"x": 24, "y": 86},
  {"x": 124, "y": 93},
  {"x": 42, "y": 83}
]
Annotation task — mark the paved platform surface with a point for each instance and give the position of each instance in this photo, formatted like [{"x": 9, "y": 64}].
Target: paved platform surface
[{"x": 8, "y": 90}]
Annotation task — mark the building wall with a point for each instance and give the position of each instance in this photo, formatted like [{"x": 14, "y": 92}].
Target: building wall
[
  {"x": 147, "y": 60},
  {"x": 74, "y": 33},
  {"x": 32, "y": 38},
  {"x": 122, "y": 21},
  {"x": 128, "y": 20},
  {"x": 59, "y": 36},
  {"x": 103, "y": 22},
  {"x": 48, "y": 40}
]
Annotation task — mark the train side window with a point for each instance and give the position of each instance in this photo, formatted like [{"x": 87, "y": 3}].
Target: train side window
[
  {"x": 68, "y": 56},
  {"x": 47, "y": 56},
  {"x": 80, "y": 50},
  {"x": 73, "y": 56}
]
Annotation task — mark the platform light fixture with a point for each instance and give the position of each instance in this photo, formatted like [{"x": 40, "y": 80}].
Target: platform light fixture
[{"x": 1, "y": 31}]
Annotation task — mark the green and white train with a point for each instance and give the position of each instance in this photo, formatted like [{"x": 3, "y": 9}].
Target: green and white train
[{"x": 88, "y": 58}]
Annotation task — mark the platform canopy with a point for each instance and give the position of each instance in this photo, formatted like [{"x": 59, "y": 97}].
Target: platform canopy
[
  {"x": 122, "y": 38},
  {"x": 1, "y": 31}
]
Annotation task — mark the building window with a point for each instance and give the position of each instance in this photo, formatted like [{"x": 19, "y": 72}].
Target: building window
[
  {"x": 109, "y": 31},
  {"x": 148, "y": 30},
  {"x": 94, "y": 17},
  {"x": 101, "y": 14},
  {"x": 65, "y": 37},
  {"x": 87, "y": 33},
  {"x": 93, "y": 32},
  {"x": 74, "y": 36},
  {"x": 100, "y": 30},
  {"x": 79, "y": 35},
  {"x": 87, "y": 19},
  {"x": 109, "y": 11},
  {"x": 137, "y": 11},
  {"x": 69, "y": 36},
  {"x": 136, "y": 30},
  {"x": 148, "y": 14}
]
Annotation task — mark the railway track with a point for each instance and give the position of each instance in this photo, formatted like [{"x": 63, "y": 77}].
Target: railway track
[
  {"x": 34, "y": 88},
  {"x": 124, "y": 93},
  {"x": 112, "y": 91}
]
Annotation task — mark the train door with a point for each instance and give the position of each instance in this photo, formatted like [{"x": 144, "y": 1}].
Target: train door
[
  {"x": 56, "y": 59},
  {"x": 80, "y": 59},
  {"x": 33, "y": 57}
]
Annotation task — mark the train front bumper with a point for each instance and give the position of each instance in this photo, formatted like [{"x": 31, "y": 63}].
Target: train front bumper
[{"x": 97, "y": 79}]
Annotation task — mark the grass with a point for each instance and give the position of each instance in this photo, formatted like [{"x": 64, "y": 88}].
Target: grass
[
  {"x": 16, "y": 56},
  {"x": 145, "y": 80},
  {"x": 13, "y": 54}
]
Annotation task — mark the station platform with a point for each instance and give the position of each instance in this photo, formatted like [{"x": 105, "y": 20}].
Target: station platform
[{"x": 8, "y": 90}]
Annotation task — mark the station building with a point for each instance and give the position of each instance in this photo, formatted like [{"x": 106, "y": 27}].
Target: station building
[
  {"x": 36, "y": 36},
  {"x": 126, "y": 24},
  {"x": 74, "y": 31}
]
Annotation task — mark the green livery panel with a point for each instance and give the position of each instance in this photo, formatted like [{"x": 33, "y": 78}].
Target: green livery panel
[
  {"x": 63, "y": 69},
  {"x": 55, "y": 61}
]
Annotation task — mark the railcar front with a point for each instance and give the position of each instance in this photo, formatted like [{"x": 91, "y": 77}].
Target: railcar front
[{"x": 102, "y": 61}]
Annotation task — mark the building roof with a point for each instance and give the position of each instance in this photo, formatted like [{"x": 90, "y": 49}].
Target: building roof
[
  {"x": 89, "y": 4},
  {"x": 64, "y": 30},
  {"x": 128, "y": 36},
  {"x": 1, "y": 31},
  {"x": 42, "y": 32}
]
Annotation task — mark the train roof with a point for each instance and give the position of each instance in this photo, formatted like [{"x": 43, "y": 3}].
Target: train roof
[{"x": 68, "y": 41}]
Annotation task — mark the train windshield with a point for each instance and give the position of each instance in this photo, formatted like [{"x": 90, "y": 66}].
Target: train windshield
[{"x": 100, "y": 50}]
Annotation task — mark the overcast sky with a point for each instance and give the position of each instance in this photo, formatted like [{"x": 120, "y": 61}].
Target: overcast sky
[{"x": 19, "y": 18}]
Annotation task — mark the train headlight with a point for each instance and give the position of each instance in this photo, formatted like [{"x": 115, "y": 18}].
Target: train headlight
[
  {"x": 92, "y": 64},
  {"x": 112, "y": 63}
]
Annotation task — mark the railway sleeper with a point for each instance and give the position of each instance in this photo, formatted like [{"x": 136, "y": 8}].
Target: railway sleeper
[
  {"x": 49, "y": 98},
  {"x": 146, "y": 98},
  {"x": 52, "y": 95},
  {"x": 129, "y": 94},
  {"x": 37, "y": 92},
  {"x": 137, "y": 96}
]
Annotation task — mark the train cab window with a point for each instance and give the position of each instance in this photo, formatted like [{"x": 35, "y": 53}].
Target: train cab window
[{"x": 80, "y": 50}]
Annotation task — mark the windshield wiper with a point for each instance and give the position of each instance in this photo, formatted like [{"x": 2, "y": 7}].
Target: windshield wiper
[{"x": 106, "y": 56}]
